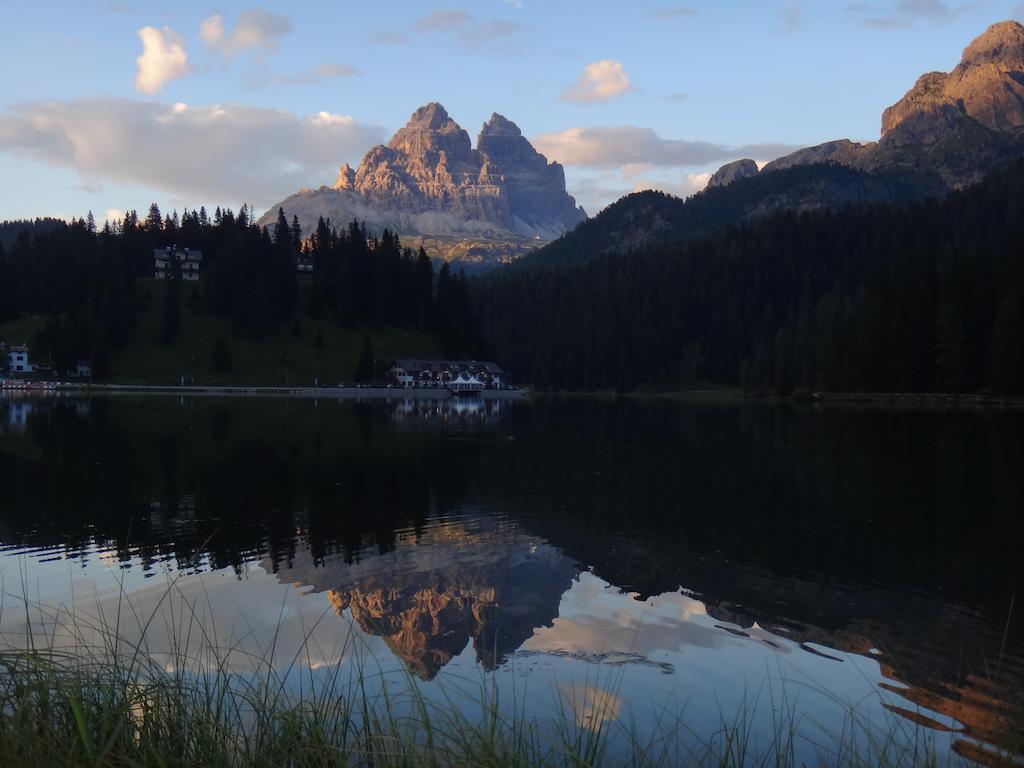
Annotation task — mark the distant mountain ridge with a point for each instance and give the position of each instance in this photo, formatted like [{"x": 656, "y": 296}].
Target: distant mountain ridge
[
  {"x": 958, "y": 125},
  {"x": 430, "y": 182},
  {"x": 948, "y": 131}
]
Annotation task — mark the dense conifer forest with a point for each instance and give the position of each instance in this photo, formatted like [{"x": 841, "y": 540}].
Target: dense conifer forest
[
  {"x": 82, "y": 280},
  {"x": 919, "y": 297},
  {"x": 647, "y": 217}
]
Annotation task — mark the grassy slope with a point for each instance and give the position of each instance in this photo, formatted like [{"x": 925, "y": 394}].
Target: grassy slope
[
  {"x": 21, "y": 331},
  {"x": 283, "y": 359}
]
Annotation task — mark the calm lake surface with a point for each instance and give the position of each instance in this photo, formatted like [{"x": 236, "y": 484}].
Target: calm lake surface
[{"x": 632, "y": 558}]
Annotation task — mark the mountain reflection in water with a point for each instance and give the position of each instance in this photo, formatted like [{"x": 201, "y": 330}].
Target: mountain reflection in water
[
  {"x": 635, "y": 534},
  {"x": 478, "y": 580}
]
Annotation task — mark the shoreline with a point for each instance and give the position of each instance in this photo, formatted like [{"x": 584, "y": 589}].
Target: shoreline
[
  {"x": 346, "y": 393},
  {"x": 898, "y": 398},
  {"x": 732, "y": 395},
  {"x": 706, "y": 395}
]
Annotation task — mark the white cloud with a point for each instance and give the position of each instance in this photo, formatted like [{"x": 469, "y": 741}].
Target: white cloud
[
  {"x": 227, "y": 152},
  {"x": 630, "y": 145},
  {"x": 256, "y": 30},
  {"x": 114, "y": 214},
  {"x": 601, "y": 81},
  {"x": 163, "y": 58},
  {"x": 211, "y": 31}
]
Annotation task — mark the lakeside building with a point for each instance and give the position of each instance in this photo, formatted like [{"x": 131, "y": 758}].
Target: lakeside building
[
  {"x": 18, "y": 360},
  {"x": 191, "y": 263},
  {"x": 304, "y": 265},
  {"x": 456, "y": 375},
  {"x": 465, "y": 382}
]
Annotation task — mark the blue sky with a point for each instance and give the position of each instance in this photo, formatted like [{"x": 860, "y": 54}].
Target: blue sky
[{"x": 107, "y": 106}]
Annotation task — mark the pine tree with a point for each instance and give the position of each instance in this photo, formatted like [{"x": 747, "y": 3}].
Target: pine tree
[
  {"x": 423, "y": 290},
  {"x": 154, "y": 222},
  {"x": 296, "y": 237},
  {"x": 282, "y": 232}
]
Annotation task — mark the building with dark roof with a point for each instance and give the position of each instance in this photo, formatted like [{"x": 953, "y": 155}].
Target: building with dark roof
[
  {"x": 189, "y": 261},
  {"x": 461, "y": 375}
]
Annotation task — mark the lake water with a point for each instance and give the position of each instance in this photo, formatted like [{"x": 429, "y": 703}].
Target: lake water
[{"x": 625, "y": 560}]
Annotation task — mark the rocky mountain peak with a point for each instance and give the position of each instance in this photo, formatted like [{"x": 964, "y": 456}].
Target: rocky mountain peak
[
  {"x": 430, "y": 117},
  {"x": 429, "y": 132},
  {"x": 429, "y": 181},
  {"x": 346, "y": 177},
  {"x": 730, "y": 172},
  {"x": 502, "y": 144},
  {"x": 1001, "y": 44},
  {"x": 948, "y": 130},
  {"x": 987, "y": 85},
  {"x": 499, "y": 125}
]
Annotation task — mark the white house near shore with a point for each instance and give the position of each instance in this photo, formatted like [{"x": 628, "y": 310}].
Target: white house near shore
[
  {"x": 17, "y": 359},
  {"x": 190, "y": 262}
]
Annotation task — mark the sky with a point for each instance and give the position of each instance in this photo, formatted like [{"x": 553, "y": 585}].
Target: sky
[{"x": 110, "y": 106}]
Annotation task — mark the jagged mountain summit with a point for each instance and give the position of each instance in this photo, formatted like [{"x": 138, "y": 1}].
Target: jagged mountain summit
[
  {"x": 429, "y": 182},
  {"x": 955, "y": 126}
]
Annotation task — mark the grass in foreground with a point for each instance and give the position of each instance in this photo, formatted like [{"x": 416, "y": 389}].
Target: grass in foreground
[
  {"x": 106, "y": 703},
  {"x": 59, "y": 710}
]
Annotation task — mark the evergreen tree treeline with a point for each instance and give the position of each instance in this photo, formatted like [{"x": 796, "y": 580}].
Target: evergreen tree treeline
[
  {"x": 83, "y": 280},
  {"x": 361, "y": 280},
  {"x": 915, "y": 297}
]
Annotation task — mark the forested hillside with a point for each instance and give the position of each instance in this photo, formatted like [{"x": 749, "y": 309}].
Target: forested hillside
[
  {"x": 9, "y": 230},
  {"x": 644, "y": 218},
  {"x": 915, "y": 297},
  {"x": 80, "y": 285}
]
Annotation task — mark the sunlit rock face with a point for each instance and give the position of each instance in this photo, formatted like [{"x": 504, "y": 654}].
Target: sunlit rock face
[
  {"x": 955, "y": 126},
  {"x": 430, "y": 181},
  {"x": 730, "y": 172},
  {"x": 453, "y": 585},
  {"x": 987, "y": 85}
]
